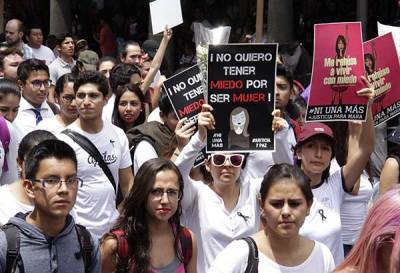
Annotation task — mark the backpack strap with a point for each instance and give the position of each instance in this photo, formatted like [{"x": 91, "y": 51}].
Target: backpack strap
[
  {"x": 185, "y": 239},
  {"x": 85, "y": 243},
  {"x": 122, "y": 251},
  {"x": 13, "y": 258},
  {"x": 252, "y": 261},
  {"x": 53, "y": 108},
  {"x": 5, "y": 140},
  {"x": 91, "y": 149}
]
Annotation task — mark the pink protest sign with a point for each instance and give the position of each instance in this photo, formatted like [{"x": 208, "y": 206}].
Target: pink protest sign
[
  {"x": 383, "y": 71},
  {"x": 336, "y": 76}
]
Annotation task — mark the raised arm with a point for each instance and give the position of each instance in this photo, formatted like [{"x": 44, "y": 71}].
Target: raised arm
[
  {"x": 389, "y": 175},
  {"x": 156, "y": 62},
  {"x": 361, "y": 144}
]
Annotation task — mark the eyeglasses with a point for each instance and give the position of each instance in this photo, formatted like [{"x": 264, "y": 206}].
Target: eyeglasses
[
  {"x": 236, "y": 160},
  {"x": 67, "y": 98},
  {"x": 172, "y": 195},
  {"x": 55, "y": 182},
  {"x": 37, "y": 83}
]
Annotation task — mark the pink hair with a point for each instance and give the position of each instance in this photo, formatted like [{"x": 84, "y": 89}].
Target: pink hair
[{"x": 381, "y": 226}]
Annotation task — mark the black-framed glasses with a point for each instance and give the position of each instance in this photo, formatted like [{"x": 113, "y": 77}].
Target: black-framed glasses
[
  {"x": 37, "y": 83},
  {"x": 218, "y": 160},
  {"x": 67, "y": 98},
  {"x": 55, "y": 182},
  {"x": 172, "y": 194}
]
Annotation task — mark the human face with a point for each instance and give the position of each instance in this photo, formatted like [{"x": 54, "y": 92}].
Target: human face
[
  {"x": 145, "y": 69},
  {"x": 35, "y": 38},
  {"x": 302, "y": 117},
  {"x": 282, "y": 93},
  {"x": 56, "y": 201},
  {"x": 67, "y": 102},
  {"x": 66, "y": 49},
  {"x": 161, "y": 207},
  {"x": 315, "y": 155},
  {"x": 105, "y": 68},
  {"x": 9, "y": 106},
  {"x": 284, "y": 209},
  {"x": 170, "y": 120},
  {"x": 129, "y": 107},
  {"x": 90, "y": 102},
  {"x": 10, "y": 65},
  {"x": 133, "y": 55},
  {"x": 36, "y": 95},
  {"x": 13, "y": 35},
  {"x": 225, "y": 174}
]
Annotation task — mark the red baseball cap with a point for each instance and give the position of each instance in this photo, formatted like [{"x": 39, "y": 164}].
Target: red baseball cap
[{"x": 315, "y": 128}]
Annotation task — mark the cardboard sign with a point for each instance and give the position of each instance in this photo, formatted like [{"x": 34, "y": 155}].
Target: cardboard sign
[
  {"x": 336, "y": 76},
  {"x": 384, "y": 29},
  {"x": 241, "y": 89},
  {"x": 165, "y": 13},
  {"x": 383, "y": 71},
  {"x": 186, "y": 93}
]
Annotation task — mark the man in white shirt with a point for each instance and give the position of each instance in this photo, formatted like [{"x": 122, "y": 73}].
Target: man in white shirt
[
  {"x": 95, "y": 205},
  {"x": 64, "y": 62},
  {"x": 34, "y": 36},
  {"x": 33, "y": 79}
]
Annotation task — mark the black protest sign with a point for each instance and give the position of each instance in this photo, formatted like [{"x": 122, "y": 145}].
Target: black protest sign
[
  {"x": 185, "y": 91},
  {"x": 241, "y": 89}
]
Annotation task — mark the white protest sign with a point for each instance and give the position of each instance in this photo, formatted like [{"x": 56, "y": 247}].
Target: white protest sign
[{"x": 165, "y": 12}]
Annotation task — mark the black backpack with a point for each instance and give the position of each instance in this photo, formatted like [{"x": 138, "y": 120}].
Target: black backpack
[{"x": 13, "y": 258}]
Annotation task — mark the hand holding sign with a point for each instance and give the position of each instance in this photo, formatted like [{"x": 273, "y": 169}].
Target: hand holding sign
[
  {"x": 205, "y": 121},
  {"x": 368, "y": 91},
  {"x": 183, "y": 132},
  {"x": 278, "y": 123},
  {"x": 167, "y": 33}
]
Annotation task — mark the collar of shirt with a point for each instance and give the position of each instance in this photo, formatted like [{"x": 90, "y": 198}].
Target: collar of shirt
[
  {"x": 25, "y": 105},
  {"x": 64, "y": 64}
]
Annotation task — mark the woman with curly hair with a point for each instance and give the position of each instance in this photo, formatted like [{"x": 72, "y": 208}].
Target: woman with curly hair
[{"x": 148, "y": 236}]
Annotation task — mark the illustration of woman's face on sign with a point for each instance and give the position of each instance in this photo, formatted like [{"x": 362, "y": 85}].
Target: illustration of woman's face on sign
[
  {"x": 369, "y": 63},
  {"x": 340, "y": 46},
  {"x": 239, "y": 120}
]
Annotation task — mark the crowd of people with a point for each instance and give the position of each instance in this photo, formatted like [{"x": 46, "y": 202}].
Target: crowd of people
[{"x": 97, "y": 174}]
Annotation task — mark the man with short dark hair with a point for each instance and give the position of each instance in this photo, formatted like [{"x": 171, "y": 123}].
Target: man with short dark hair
[
  {"x": 34, "y": 36},
  {"x": 14, "y": 32},
  {"x": 10, "y": 58},
  {"x": 48, "y": 239},
  {"x": 95, "y": 205},
  {"x": 33, "y": 79},
  {"x": 131, "y": 53},
  {"x": 64, "y": 63}
]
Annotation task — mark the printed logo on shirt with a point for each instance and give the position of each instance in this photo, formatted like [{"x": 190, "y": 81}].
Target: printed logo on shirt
[
  {"x": 326, "y": 201},
  {"x": 108, "y": 159}
]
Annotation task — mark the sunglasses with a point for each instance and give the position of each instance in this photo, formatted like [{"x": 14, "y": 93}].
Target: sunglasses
[{"x": 236, "y": 160}]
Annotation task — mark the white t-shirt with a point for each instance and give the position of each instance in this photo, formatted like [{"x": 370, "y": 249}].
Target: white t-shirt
[
  {"x": 233, "y": 259},
  {"x": 109, "y": 108},
  {"x": 144, "y": 151},
  {"x": 323, "y": 224},
  {"x": 204, "y": 212},
  {"x": 262, "y": 161},
  {"x": 53, "y": 125},
  {"x": 9, "y": 205},
  {"x": 44, "y": 53},
  {"x": 95, "y": 202},
  {"x": 11, "y": 175},
  {"x": 354, "y": 210}
]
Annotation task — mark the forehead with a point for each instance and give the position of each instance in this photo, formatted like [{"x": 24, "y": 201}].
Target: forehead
[
  {"x": 281, "y": 80},
  {"x": 129, "y": 95},
  {"x": 321, "y": 139},
  {"x": 67, "y": 40},
  {"x": 12, "y": 26},
  {"x": 166, "y": 178},
  {"x": 133, "y": 49},
  {"x": 55, "y": 166},
  {"x": 38, "y": 74},
  {"x": 36, "y": 31},
  {"x": 285, "y": 188},
  {"x": 14, "y": 57},
  {"x": 107, "y": 65},
  {"x": 88, "y": 88}
]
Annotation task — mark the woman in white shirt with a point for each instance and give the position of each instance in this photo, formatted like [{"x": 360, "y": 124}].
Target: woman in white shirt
[
  {"x": 227, "y": 208},
  {"x": 286, "y": 199}
]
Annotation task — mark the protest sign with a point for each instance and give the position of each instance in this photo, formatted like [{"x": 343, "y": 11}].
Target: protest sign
[
  {"x": 383, "y": 71},
  {"x": 165, "y": 13},
  {"x": 384, "y": 29},
  {"x": 336, "y": 76},
  {"x": 185, "y": 91},
  {"x": 241, "y": 85}
]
